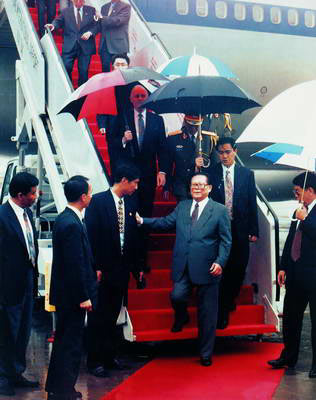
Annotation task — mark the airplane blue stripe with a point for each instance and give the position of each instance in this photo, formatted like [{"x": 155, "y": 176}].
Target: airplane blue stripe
[
  {"x": 273, "y": 157},
  {"x": 284, "y": 148},
  {"x": 178, "y": 66}
]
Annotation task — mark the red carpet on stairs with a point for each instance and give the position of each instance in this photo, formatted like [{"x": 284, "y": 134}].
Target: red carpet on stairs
[{"x": 240, "y": 374}]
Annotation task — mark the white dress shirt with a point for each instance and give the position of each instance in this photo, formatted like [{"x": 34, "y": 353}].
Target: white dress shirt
[
  {"x": 202, "y": 205},
  {"x": 76, "y": 211}
]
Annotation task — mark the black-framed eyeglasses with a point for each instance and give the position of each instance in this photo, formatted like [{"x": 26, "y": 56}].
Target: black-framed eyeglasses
[{"x": 199, "y": 185}]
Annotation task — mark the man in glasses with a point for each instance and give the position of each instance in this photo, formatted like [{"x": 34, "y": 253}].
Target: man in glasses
[
  {"x": 202, "y": 247},
  {"x": 298, "y": 273},
  {"x": 234, "y": 186}
]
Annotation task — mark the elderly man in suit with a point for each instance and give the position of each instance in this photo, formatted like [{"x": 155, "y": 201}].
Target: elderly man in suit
[
  {"x": 141, "y": 138},
  {"x": 114, "y": 20},
  {"x": 202, "y": 246},
  {"x": 79, "y": 29},
  {"x": 18, "y": 280},
  {"x": 234, "y": 186},
  {"x": 298, "y": 273},
  {"x": 112, "y": 231},
  {"x": 73, "y": 290}
]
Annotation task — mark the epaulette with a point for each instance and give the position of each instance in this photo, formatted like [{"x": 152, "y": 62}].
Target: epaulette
[{"x": 210, "y": 133}]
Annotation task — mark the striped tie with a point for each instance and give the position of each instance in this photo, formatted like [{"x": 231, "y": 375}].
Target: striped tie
[
  {"x": 120, "y": 216},
  {"x": 29, "y": 237}
]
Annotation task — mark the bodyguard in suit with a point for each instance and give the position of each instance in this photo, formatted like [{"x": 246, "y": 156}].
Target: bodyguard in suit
[
  {"x": 112, "y": 232},
  {"x": 73, "y": 290},
  {"x": 234, "y": 186},
  {"x": 298, "y": 273},
  {"x": 18, "y": 280},
  {"x": 114, "y": 20},
  {"x": 46, "y": 11},
  {"x": 141, "y": 139},
  {"x": 202, "y": 246},
  {"x": 79, "y": 29}
]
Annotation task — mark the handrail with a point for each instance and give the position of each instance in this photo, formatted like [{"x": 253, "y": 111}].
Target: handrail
[{"x": 276, "y": 227}]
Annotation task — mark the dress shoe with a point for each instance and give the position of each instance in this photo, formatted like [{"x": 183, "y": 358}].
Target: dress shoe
[
  {"x": 6, "y": 390},
  {"x": 280, "y": 363},
  {"x": 179, "y": 323},
  {"x": 21, "y": 381},
  {"x": 99, "y": 372},
  {"x": 206, "y": 362},
  {"x": 56, "y": 396},
  {"x": 116, "y": 364},
  {"x": 312, "y": 373}
]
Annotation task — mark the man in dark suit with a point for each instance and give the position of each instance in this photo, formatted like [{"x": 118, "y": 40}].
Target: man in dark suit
[
  {"x": 202, "y": 246},
  {"x": 234, "y": 186},
  {"x": 45, "y": 8},
  {"x": 114, "y": 20},
  {"x": 79, "y": 29},
  {"x": 18, "y": 280},
  {"x": 186, "y": 155},
  {"x": 298, "y": 272},
  {"x": 141, "y": 138},
  {"x": 73, "y": 290},
  {"x": 112, "y": 232}
]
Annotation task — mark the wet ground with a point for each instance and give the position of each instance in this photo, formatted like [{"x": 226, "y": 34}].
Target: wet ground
[{"x": 294, "y": 387}]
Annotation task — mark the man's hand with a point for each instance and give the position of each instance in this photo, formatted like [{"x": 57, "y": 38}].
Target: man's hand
[
  {"x": 301, "y": 213},
  {"x": 139, "y": 219},
  {"x": 281, "y": 278},
  {"x": 161, "y": 179},
  {"x": 216, "y": 269},
  {"x": 102, "y": 131},
  {"x": 252, "y": 238},
  {"x": 99, "y": 275},
  {"x": 50, "y": 27},
  {"x": 199, "y": 162},
  {"x": 166, "y": 195},
  {"x": 128, "y": 136},
  {"x": 86, "y": 35},
  {"x": 86, "y": 305}
]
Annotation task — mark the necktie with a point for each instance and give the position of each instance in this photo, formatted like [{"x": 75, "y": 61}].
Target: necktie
[
  {"x": 141, "y": 130},
  {"x": 195, "y": 214},
  {"x": 229, "y": 194},
  {"x": 78, "y": 18},
  {"x": 120, "y": 216},
  {"x": 29, "y": 237}
]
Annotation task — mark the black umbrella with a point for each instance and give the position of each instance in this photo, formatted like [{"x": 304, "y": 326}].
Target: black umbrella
[{"x": 200, "y": 95}]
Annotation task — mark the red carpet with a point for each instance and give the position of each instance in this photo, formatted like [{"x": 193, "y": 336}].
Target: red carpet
[{"x": 240, "y": 374}]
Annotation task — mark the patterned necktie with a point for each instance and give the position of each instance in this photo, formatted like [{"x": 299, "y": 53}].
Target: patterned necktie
[
  {"x": 110, "y": 9},
  {"x": 229, "y": 194},
  {"x": 195, "y": 214},
  {"x": 120, "y": 216},
  {"x": 141, "y": 130},
  {"x": 29, "y": 237},
  {"x": 78, "y": 18}
]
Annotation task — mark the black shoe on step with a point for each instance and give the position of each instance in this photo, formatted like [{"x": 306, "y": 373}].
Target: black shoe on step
[
  {"x": 280, "y": 363},
  {"x": 116, "y": 364},
  {"x": 99, "y": 372},
  {"x": 179, "y": 323}
]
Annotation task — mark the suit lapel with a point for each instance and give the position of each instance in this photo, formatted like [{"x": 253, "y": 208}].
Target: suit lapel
[
  {"x": 237, "y": 183},
  {"x": 16, "y": 224},
  {"x": 111, "y": 209},
  {"x": 131, "y": 121},
  {"x": 72, "y": 17},
  {"x": 220, "y": 180}
]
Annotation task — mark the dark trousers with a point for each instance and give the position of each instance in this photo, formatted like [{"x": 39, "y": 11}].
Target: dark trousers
[
  {"x": 45, "y": 8},
  {"x": 103, "y": 338},
  {"x": 106, "y": 58},
  {"x": 233, "y": 274},
  {"x": 300, "y": 291},
  {"x": 65, "y": 359},
  {"x": 207, "y": 303},
  {"x": 15, "y": 331},
  {"x": 83, "y": 63}
]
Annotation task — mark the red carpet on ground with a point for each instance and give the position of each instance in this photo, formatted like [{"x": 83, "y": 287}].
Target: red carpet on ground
[{"x": 240, "y": 374}]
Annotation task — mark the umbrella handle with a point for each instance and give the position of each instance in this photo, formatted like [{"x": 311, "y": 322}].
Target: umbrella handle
[{"x": 127, "y": 128}]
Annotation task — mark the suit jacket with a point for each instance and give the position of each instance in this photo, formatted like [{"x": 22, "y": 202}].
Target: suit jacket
[
  {"x": 73, "y": 279},
  {"x": 154, "y": 143},
  {"x": 114, "y": 28},
  {"x": 198, "y": 248},
  {"x": 308, "y": 245},
  {"x": 103, "y": 230},
  {"x": 245, "y": 214},
  {"x": 72, "y": 35},
  {"x": 14, "y": 257}
]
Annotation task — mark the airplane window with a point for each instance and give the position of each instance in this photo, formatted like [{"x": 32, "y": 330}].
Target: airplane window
[
  {"x": 257, "y": 13},
  {"x": 240, "y": 11},
  {"x": 310, "y": 21},
  {"x": 221, "y": 9},
  {"x": 183, "y": 7},
  {"x": 202, "y": 8},
  {"x": 275, "y": 14},
  {"x": 292, "y": 17}
]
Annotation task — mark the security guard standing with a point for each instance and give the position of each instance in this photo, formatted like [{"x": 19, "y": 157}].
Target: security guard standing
[{"x": 188, "y": 154}]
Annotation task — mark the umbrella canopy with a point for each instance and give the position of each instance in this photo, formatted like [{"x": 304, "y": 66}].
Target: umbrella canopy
[
  {"x": 97, "y": 95},
  {"x": 195, "y": 65},
  {"x": 199, "y": 95}
]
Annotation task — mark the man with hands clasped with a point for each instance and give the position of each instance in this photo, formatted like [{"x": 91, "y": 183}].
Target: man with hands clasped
[
  {"x": 298, "y": 273},
  {"x": 203, "y": 241}
]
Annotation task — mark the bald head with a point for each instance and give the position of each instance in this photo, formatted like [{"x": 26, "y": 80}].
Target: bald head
[{"x": 138, "y": 95}]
